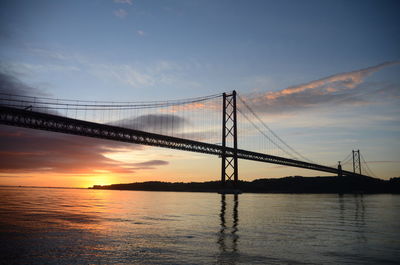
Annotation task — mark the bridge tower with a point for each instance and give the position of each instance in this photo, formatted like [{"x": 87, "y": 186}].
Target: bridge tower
[
  {"x": 339, "y": 169},
  {"x": 356, "y": 161},
  {"x": 229, "y": 166}
]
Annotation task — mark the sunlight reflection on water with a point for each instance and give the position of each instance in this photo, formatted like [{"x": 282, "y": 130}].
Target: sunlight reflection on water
[{"x": 78, "y": 226}]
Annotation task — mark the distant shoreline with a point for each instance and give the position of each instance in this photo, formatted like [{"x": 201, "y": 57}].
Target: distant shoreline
[
  {"x": 293, "y": 184},
  {"x": 39, "y": 187}
]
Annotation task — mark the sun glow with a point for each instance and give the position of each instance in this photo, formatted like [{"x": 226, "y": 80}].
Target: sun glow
[{"x": 102, "y": 178}]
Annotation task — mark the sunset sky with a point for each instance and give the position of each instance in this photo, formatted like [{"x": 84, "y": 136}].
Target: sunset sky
[{"x": 324, "y": 75}]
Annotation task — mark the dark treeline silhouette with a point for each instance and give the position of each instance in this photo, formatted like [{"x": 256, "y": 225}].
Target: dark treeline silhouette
[{"x": 296, "y": 184}]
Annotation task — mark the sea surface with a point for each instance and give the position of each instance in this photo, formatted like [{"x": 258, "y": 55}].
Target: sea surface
[{"x": 79, "y": 226}]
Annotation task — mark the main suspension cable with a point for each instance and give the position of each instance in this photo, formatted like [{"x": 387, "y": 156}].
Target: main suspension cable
[
  {"x": 371, "y": 173},
  {"x": 272, "y": 132},
  {"x": 264, "y": 134},
  {"x": 51, "y": 103}
]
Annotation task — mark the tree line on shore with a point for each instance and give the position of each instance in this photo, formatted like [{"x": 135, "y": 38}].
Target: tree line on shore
[{"x": 292, "y": 184}]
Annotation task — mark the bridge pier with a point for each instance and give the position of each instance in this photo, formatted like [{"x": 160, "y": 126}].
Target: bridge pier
[{"x": 229, "y": 164}]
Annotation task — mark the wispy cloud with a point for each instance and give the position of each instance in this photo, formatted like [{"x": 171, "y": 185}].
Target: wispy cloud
[
  {"x": 160, "y": 74},
  {"x": 332, "y": 83},
  {"x": 55, "y": 54},
  {"x": 49, "y": 53},
  {"x": 123, "y": 73},
  {"x": 383, "y": 162},
  {"x": 140, "y": 32},
  {"x": 149, "y": 164},
  {"x": 129, "y": 2},
  {"x": 338, "y": 88},
  {"x": 38, "y": 68},
  {"x": 121, "y": 13}
]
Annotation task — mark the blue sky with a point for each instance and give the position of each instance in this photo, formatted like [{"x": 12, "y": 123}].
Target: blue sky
[{"x": 154, "y": 50}]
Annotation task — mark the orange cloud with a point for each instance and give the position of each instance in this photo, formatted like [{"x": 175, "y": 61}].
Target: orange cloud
[
  {"x": 332, "y": 88},
  {"x": 332, "y": 83}
]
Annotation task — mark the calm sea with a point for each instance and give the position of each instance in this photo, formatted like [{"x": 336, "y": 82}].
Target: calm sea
[{"x": 77, "y": 226}]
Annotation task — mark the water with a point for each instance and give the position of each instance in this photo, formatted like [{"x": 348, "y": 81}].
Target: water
[{"x": 73, "y": 226}]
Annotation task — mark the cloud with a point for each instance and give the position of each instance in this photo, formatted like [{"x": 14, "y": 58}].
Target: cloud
[
  {"x": 29, "y": 151},
  {"x": 56, "y": 54},
  {"x": 339, "y": 88},
  {"x": 149, "y": 164},
  {"x": 332, "y": 83},
  {"x": 49, "y": 53},
  {"x": 152, "y": 122},
  {"x": 121, "y": 13},
  {"x": 14, "y": 93},
  {"x": 129, "y": 2},
  {"x": 140, "y": 32},
  {"x": 383, "y": 162},
  {"x": 12, "y": 85},
  {"x": 169, "y": 124},
  {"x": 389, "y": 90},
  {"x": 123, "y": 73},
  {"x": 39, "y": 68},
  {"x": 161, "y": 74}
]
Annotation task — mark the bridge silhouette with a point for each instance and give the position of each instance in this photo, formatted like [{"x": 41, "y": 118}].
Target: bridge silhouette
[{"x": 161, "y": 124}]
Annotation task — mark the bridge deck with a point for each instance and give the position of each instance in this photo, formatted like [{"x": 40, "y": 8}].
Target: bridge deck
[{"x": 49, "y": 122}]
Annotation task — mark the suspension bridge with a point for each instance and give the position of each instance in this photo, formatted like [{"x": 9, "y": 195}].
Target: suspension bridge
[{"x": 225, "y": 125}]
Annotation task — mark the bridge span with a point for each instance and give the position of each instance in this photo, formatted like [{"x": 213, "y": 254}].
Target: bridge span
[{"x": 50, "y": 122}]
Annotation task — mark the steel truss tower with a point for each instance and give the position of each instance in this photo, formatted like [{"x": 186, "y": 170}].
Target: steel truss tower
[
  {"x": 229, "y": 166},
  {"x": 356, "y": 161}
]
